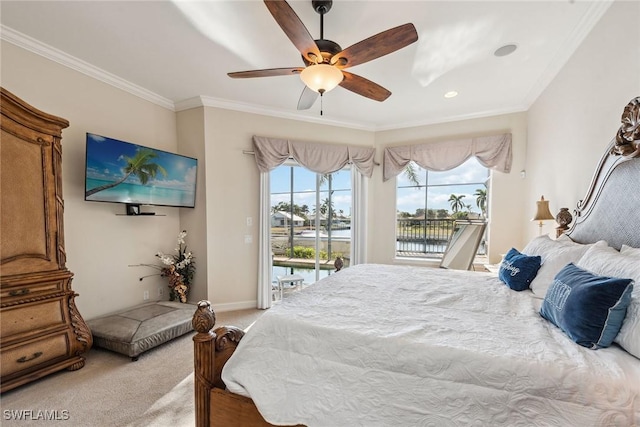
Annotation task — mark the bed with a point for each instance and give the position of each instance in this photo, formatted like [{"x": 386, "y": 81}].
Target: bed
[{"x": 399, "y": 345}]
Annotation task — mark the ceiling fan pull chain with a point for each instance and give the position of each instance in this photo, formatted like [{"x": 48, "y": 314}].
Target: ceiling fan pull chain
[{"x": 321, "y": 103}]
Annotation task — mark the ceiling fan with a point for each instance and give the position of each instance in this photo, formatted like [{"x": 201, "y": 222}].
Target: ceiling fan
[{"x": 325, "y": 60}]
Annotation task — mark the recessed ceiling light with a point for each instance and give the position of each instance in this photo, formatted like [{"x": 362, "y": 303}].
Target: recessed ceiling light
[
  {"x": 451, "y": 94},
  {"x": 505, "y": 50}
]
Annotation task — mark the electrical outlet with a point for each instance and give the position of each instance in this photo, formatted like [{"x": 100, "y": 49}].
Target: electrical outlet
[
  {"x": 248, "y": 238},
  {"x": 249, "y": 221},
  {"x": 145, "y": 296},
  {"x": 160, "y": 291}
]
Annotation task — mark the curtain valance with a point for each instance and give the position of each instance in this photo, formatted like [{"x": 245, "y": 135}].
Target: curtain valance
[
  {"x": 318, "y": 157},
  {"x": 493, "y": 152}
]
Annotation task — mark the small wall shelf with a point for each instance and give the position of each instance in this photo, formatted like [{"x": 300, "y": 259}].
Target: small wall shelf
[
  {"x": 143, "y": 214},
  {"x": 134, "y": 210}
]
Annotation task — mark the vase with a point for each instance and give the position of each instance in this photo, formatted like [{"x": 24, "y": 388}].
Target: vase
[{"x": 564, "y": 218}]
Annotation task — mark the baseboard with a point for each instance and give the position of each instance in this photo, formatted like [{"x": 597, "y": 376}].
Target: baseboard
[{"x": 233, "y": 306}]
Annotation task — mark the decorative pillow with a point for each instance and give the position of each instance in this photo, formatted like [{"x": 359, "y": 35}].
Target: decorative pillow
[
  {"x": 518, "y": 270},
  {"x": 555, "y": 255},
  {"x": 606, "y": 261},
  {"x": 588, "y": 308}
]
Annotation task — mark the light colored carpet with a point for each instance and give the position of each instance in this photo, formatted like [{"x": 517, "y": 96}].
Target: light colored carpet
[{"x": 111, "y": 390}]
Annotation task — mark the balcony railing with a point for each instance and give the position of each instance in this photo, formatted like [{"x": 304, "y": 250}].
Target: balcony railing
[
  {"x": 420, "y": 237},
  {"x": 426, "y": 238}
]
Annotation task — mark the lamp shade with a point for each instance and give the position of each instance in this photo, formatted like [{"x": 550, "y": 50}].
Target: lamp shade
[
  {"x": 542, "y": 212},
  {"x": 321, "y": 77}
]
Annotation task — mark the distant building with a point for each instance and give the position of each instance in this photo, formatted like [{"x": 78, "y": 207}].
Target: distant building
[
  {"x": 311, "y": 218},
  {"x": 283, "y": 219}
]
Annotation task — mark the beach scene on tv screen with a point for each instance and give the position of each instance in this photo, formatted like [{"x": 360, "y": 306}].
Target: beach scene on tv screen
[{"x": 122, "y": 172}]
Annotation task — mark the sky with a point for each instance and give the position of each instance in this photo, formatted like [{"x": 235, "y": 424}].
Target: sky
[
  {"x": 409, "y": 199},
  {"x": 305, "y": 185},
  {"x": 471, "y": 173}
]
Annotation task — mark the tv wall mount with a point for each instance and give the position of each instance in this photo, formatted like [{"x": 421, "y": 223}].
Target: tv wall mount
[{"x": 134, "y": 209}]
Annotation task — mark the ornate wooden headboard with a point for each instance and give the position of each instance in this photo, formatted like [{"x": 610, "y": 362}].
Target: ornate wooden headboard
[{"x": 611, "y": 209}]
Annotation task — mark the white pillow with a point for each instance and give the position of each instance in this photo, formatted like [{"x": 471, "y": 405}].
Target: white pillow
[
  {"x": 539, "y": 245},
  {"x": 555, "y": 255},
  {"x": 606, "y": 261},
  {"x": 628, "y": 250},
  {"x": 543, "y": 244}
]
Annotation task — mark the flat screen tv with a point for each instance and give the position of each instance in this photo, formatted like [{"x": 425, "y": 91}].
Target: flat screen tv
[{"x": 122, "y": 172}]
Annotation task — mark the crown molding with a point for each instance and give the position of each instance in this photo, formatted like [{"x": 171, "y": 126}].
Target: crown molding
[
  {"x": 28, "y": 43},
  {"x": 208, "y": 101}
]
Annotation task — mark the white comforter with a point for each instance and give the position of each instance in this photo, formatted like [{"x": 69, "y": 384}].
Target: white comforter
[{"x": 379, "y": 345}]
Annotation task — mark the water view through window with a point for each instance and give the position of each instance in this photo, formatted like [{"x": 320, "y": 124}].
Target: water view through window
[{"x": 310, "y": 221}]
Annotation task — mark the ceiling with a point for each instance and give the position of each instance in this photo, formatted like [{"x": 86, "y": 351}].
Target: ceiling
[{"x": 177, "y": 54}]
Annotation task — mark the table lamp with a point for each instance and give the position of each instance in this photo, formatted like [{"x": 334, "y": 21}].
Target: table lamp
[{"x": 542, "y": 213}]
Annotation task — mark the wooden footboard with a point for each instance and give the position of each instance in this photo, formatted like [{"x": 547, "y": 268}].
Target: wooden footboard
[{"x": 215, "y": 406}]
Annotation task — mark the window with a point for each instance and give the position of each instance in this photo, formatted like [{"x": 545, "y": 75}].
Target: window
[
  {"x": 310, "y": 221},
  {"x": 429, "y": 202}
]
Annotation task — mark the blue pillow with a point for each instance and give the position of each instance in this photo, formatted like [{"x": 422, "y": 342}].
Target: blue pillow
[
  {"x": 518, "y": 270},
  {"x": 588, "y": 308}
]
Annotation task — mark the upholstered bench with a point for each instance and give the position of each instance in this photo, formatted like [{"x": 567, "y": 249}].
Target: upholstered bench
[{"x": 141, "y": 328}]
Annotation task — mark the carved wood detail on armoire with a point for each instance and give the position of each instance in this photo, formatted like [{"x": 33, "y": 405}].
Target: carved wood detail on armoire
[{"x": 41, "y": 329}]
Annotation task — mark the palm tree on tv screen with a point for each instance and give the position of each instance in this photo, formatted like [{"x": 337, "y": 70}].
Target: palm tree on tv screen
[{"x": 139, "y": 165}]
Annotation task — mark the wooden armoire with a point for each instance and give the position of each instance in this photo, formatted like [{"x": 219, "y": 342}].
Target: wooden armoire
[{"x": 41, "y": 329}]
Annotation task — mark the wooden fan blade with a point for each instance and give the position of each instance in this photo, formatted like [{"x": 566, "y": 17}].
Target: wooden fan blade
[
  {"x": 376, "y": 46},
  {"x": 294, "y": 29},
  {"x": 364, "y": 87},
  {"x": 271, "y": 72},
  {"x": 307, "y": 98}
]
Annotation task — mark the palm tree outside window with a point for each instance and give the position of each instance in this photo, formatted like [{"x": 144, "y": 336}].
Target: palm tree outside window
[{"x": 428, "y": 203}]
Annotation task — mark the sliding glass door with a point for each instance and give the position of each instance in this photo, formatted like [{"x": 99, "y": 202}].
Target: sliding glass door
[{"x": 310, "y": 221}]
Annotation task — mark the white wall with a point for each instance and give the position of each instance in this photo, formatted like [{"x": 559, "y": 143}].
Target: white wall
[
  {"x": 506, "y": 203},
  {"x": 100, "y": 244},
  {"x": 578, "y": 114},
  {"x": 191, "y": 131}
]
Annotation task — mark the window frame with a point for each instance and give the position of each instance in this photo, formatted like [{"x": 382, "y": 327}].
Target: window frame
[{"x": 424, "y": 187}]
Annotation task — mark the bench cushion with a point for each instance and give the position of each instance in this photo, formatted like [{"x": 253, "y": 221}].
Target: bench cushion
[{"x": 143, "y": 327}]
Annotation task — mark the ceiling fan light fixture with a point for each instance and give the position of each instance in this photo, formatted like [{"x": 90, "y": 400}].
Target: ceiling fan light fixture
[{"x": 321, "y": 78}]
